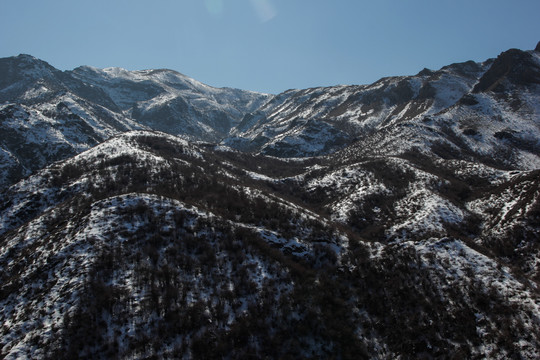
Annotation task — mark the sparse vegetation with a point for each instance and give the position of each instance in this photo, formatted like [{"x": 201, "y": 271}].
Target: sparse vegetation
[{"x": 193, "y": 256}]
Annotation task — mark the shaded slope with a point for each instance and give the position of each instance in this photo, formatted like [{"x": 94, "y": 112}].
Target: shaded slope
[{"x": 147, "y": 234}]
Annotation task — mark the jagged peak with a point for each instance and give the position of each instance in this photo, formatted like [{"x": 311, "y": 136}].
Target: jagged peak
[
  {"x": 26, "y": 57},
  {"x": 29, "y": 60},
  {"x": 516, "y": 65}
]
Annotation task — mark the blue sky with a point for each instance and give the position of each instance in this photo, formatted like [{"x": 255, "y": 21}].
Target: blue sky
[{"x": 268, "y": 45}]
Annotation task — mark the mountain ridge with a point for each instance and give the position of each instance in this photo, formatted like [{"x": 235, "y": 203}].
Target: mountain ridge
[
  {"x": 309, "y": 122},
  {"x": 147, "y": 209},
  {"x": 399, "y": 219},
  {"x": 427, "y": 100},
  {"x": 65, "y": 106}
]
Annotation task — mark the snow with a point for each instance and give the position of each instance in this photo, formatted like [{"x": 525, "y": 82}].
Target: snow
[
  {"x": 257, "y": 176},
  {"x": 509, "y": 204},
  {"x": 35, "y": 92},
  {"x": 303, "y": 122},
  {"x": 422, "y": 212},
  {"x": 449, "y": 89},
  {"x": 161, "y": 88}
]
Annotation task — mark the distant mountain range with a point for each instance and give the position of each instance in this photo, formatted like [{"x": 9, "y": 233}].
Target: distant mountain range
[
  {"x": 473, "y": 110},
  {"x": 48, "y": 115},
  {"x": 147, "y": 215}
]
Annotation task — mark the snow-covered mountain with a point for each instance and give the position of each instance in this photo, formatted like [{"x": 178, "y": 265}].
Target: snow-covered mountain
[
  {"x": 168, "y": 101},
  {"x": 148, "y": 245},
  {"x": 48, "y": 115},
  {"x": 394, "y": 220},
  {"x": 473, "y": 110},
  {"x": 470, "y": 109}
]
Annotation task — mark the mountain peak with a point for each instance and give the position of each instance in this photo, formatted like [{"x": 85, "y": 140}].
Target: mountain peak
[
  {"x": 26, "y": 57},
  {"x": 23, "y": 67},
  {"x": 26, "y": 61},
  {"x": 514, "y": 65}
]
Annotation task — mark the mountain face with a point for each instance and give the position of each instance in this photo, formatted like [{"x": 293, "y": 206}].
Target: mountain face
[
  {"x": 48, "y": 115},
  {"x": 394, "y": 220},
  {"x": 168, "y": 101},
  {"x": 467, "y": 110}
]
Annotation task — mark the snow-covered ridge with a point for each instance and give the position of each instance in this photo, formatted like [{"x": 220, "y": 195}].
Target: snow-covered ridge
[
  {"x": 71, "y": 111},
  {"x": 169, "y": 83},
  {"x": 433, "y": 109}
]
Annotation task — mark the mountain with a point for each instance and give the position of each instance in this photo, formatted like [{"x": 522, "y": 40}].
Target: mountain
[
  {"x": 168, "y": 101},
  {"x": 48, "y": 115},
  {"x": 148, "y": 245},
  {"x": 394, "y": 220},
  {"x": 467, "y": 110},
  {"x": 470, "y": 109}
]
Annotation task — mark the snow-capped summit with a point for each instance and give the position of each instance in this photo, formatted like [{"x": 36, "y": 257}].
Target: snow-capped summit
[
  {"x": 49, "y": 115},
  {"x": 169, "y": 101}
]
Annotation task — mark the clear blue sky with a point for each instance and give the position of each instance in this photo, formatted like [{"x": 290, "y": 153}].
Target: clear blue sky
[{"x": 268, "y": 45}]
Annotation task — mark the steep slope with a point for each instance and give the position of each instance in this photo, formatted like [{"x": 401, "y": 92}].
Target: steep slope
[
  {"x": 48, "y": 115},
  {"x": 147, "y": 245},
  {"x": 464, "y": 111},
  {"x": 45, "y": 116},
  {"x": 168, "y": 101},
  {"x": 153, "y": 205}
]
